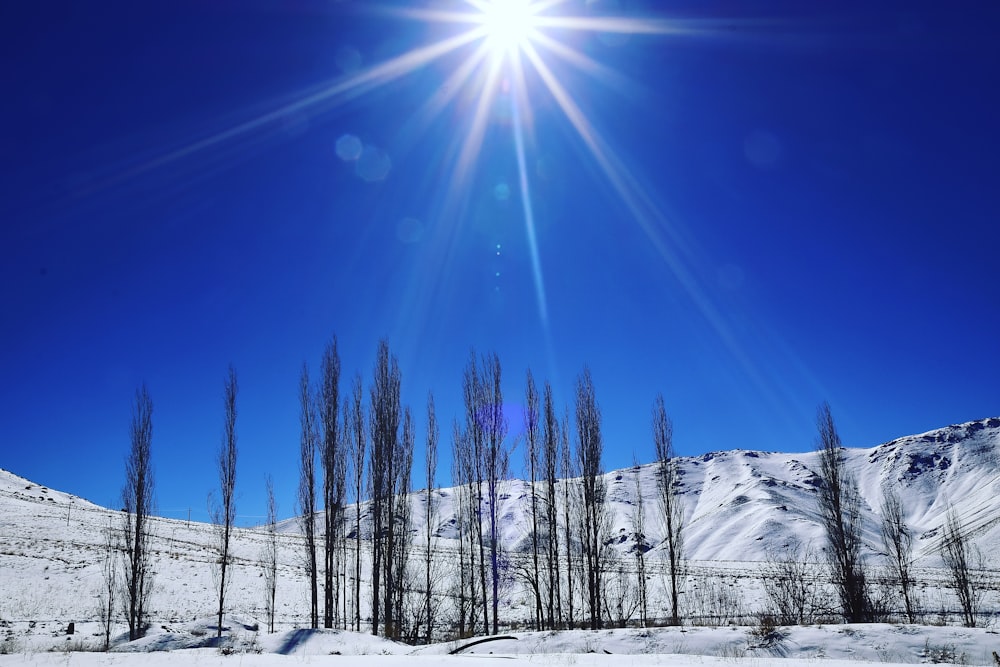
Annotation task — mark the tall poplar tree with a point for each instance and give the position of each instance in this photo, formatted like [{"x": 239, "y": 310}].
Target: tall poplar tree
[
  {"x": 224, "y": 515},
  {"x": 308, "y": 439}
]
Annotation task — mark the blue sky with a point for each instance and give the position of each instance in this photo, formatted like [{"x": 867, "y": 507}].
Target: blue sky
[{"x": 789, "y": 203}]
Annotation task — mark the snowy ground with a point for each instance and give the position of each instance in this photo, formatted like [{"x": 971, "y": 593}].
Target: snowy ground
[
  {"x": 195, "y": 643},
  {"x": 835, "y": 645}
]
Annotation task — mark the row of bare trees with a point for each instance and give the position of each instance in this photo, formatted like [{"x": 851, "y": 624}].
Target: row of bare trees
[
  {"x": 569, "y": 530},
  {"x": 370, "y": 451},
  {"x": 568, "y": 541}
]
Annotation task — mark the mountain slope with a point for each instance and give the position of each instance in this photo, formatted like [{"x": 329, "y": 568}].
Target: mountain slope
[{"x": 742, "y": 505}]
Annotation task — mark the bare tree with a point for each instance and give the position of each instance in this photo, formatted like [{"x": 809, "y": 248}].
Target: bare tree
[
  {"x": 430, "y": 512},
  {"x": 308, "y": 439},
  {"x": 332, "y": 461},
  {"x": 384, "y": 420},
  {"x": 898, "y": 543},
  {"x": 466, "y": 579},
  {"x": 594, "y": 526},
  {"x": 346, "y": 462},
  {"x": 137, "y": 501},
  {"x": 789, "y": 586},
  {"x": 359, "y": 445},
  {"x": 569, "y": 502},
  {"x": 671, "y": 509},
  {"x": 269, "y": 557},
  {"x": 224, "y": 514},
  {"x": 715, "y": 602},
  {"x": 474, "y": 445},
  {"x": 840, "y": 509},
  {"x": 550, "y": 465},
  {"x": 638, "y": 520},
  {"x": 400, "y": 540},
  {"x": 108, "y": 591},
  {"x": 620, "y": 594},
  {"x": 962, "y": 558},
  {"x": 531, "y": 416},
  {"x": 496, "y": 467}
]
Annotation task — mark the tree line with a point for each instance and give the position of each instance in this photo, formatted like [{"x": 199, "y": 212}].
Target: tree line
[{"x": 350, "y": 447}]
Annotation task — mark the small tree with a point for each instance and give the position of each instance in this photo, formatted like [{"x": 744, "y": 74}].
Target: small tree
[
  {"x": 789, "y": 587},
  {"x": 962, "y": 558},
  {"x": 620, "y": 596},
  {"x": 106, "y": 607},
  {"x": 137, "y": 501},
  {"x": 224, "y": 515},
  {"x": 898, "y": 543},
  {"x": 269, "y": 557}
]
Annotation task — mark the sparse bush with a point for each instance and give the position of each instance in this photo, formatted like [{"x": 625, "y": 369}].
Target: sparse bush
[
  {"x": 766, "y": 633},
  {"x": 715, "y": 603},
  {"x": 9, "y": 645},
  {"x": 78, "y": 646},
  {"x": 730, "y": 652},
  {"x": 942, "y": 653},
  {"x": 885, "y": 599},
  {"x": 790, "y": 588}
]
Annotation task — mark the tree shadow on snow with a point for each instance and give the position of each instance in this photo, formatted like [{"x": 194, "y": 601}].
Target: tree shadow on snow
[{"x": 295, "y": 639}]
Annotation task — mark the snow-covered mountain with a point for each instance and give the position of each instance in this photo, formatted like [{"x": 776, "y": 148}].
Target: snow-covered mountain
[{"x": 740, "y": 506}]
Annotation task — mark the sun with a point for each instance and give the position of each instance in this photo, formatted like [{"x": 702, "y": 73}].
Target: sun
[{"x": 508, "y": 24}]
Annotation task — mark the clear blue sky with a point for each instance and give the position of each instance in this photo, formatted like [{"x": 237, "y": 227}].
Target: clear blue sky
[{"x": 789, "y": 202}]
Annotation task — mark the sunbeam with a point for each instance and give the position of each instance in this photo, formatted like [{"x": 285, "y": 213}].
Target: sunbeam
[
  {"x": 506, "y": 30},
  {"x": 506, "y": 35},
  {"x": 529, "y": 215}
]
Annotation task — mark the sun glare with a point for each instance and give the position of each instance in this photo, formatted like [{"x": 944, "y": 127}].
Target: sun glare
[
  {"x": 509, "y": 24},
  {"x": 502, "y": 40}
]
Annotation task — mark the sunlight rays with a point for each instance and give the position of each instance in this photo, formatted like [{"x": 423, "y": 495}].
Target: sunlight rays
[
  {"x": 507, "y": 31},
  {"x": 529, "y": 216},
  {"x": 332, "y": 95},
  {"x": 499, "y": 42}
]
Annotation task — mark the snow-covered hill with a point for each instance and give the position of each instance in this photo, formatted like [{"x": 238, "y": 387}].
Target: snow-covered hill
[{"x": 740, "y": 506}]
